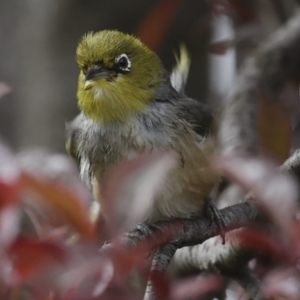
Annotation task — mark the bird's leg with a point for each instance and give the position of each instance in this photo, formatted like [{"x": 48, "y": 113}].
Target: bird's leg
[{"x": 213, "y": 212}]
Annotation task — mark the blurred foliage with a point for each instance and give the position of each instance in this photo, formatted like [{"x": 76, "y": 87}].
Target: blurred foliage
[
  {"x": 275, "y": 132},
  {"x": 56, "y": 256}
]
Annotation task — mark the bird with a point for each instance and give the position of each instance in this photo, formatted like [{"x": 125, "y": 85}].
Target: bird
[{"x": 129, "y": 104}]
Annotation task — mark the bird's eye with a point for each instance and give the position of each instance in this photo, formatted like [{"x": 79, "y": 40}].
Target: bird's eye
[{"x": 123, "y": 63}]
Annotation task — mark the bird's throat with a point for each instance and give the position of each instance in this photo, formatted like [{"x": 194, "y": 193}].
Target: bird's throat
[{"x": 107, "y": 106}]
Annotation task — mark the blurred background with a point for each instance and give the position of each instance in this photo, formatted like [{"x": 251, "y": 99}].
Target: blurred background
[{"x": 38, "y": 40}]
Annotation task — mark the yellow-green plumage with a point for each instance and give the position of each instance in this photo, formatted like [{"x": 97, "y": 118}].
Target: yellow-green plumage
[
  {"x": 134, "y": 108},
  {"x": 113, "y": 99}
]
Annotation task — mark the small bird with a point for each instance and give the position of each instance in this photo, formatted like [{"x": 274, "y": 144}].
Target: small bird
[{"x": 130, "y": 104}]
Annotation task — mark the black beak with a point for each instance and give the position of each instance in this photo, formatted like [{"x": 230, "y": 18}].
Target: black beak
[{"x": 96, "y": 72}]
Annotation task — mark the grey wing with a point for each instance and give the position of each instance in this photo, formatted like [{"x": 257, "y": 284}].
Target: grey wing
[
  {"x": 194, "y": 112},
  {"x": 72, "y": 132},
  {"x": 198, "y": 114}
]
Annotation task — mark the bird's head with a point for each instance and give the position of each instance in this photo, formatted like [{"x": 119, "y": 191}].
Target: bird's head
[{"x": 118, "y": 75}]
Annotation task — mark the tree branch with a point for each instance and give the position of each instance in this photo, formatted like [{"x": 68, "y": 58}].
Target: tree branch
[{"x": 186, "y": 232}]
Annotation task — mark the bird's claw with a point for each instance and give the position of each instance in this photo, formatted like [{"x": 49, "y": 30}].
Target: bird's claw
[{"x": 145, "y": 228}]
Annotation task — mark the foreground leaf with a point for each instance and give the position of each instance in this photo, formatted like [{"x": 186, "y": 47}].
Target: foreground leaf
[
  {"x": 271, "y": 188},
  {"x": 130, "y": 189},
  {"x": 31, "y": 255},
  {"x": 63, "y": 201}
]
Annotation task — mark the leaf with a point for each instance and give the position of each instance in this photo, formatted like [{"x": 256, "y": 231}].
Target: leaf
[
  {"x": 129, "y": 191},
  {"x": 30, "y": 255},
  {"x": 160, "y": 284},
  {"x": 83, "y": 274},
  {"x": 260, "y": 241},
  {"x": 59, "y": 173},
  {"x": 271, "y": 188},
  {"x": 10, "y": 185},
  {"x": 86, "y": 277},
  {"x": 274, "y": 130},
  {"x": 282, "y": 283},
  {"x": 154, "y": 27},
  {"x": 9, "y": 225},
  {"x": 63, "y": 201},
  {"x": 58, "y": 169}
]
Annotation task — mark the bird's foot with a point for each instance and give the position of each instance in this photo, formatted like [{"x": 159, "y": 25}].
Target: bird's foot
[
  {"x": 214, "y": 214},
  {"x": 146, "y": 229}
]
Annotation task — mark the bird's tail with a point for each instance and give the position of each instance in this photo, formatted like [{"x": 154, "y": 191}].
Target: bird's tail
[{"x": 180, "y": 72}]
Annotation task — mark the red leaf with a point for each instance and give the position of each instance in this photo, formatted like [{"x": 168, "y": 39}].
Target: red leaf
[
  {"x": 86, "y": 278},
  {"x": 32, "y": 255},
  {"x": 9, "y": 177},
  {"x": 161, "y": 285},
  {"x": 9, "y": 225},
  {"x": 9, "y": 193},
  {"x": 154, "y": 27},
  {"x": 283, "y": 283},
  {"x": 130, "y": 189},
  {"x": 262, "y": 242},
  {"x": 63, "y": 201},
  {"x": 271, "y": 188}
]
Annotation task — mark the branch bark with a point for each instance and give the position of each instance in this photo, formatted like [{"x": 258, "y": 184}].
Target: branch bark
[{"x": 188, "y": 232}]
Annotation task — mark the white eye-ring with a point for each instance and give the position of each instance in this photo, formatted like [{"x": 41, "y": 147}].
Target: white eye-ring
[{"x": 123, "y": 62}]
